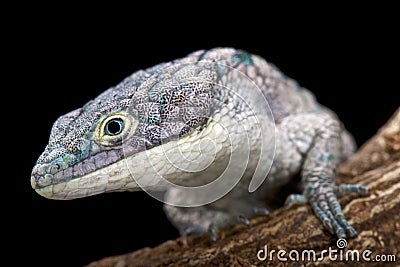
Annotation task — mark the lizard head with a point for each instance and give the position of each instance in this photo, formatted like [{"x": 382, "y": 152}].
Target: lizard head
[{"x": 87, "y": 147}]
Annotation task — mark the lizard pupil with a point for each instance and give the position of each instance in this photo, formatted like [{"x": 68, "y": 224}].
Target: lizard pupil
[{"x": 114, "y": 127}]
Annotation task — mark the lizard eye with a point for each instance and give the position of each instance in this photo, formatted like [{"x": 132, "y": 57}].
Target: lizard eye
[
  {"x": 114, "y": 126},
  {"x": 111, "y": 130}
]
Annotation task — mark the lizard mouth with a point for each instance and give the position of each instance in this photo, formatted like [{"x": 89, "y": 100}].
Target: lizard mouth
[
  {"x": 110, "y": 178},
  {"x": 53, "y": 178},
  {"x": 46, "y": 192},
  {"x": 77, "y": 188},
  {"x": 72, "y": 189},
  {"x": 93, "y": 183}
]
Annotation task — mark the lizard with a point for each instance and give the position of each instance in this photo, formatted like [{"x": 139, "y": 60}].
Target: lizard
[{"x": 129, "y": 127}]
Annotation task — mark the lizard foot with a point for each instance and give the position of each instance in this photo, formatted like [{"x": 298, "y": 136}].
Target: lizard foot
[
  {"x": 213, "y": 228},
  {"x": 207, "y": 219},
  {"x": 324, "y": 202}
]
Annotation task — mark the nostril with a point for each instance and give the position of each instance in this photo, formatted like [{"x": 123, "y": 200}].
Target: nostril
[
  {"x": 39, "y": 180},
  {"x": 41, "y": 169}
]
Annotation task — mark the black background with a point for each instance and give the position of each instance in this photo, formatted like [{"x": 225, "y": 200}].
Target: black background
[{"x": 347, "y": 58}]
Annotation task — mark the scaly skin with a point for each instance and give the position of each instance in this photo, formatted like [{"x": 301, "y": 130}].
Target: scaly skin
[{"x": 133, "y": 129}]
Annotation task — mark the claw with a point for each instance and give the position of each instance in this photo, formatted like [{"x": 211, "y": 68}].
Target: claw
[
  {"x": 351, "y": 232},
  {"x": 243, "y": 220},
  {"x": 322, "y": 216},
  {"x": 295, "y": 199},
  {"x": 212, "y": 231},
  {"x": 345, "y": 189},
  {"x": 260, "y": 211},
  {"x": 340, "y": 233},
  {"x": 191, "y": 230},
  {"x": 328, "y": 226}
]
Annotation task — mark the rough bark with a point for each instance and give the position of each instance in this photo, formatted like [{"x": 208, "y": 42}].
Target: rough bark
[{"x": 375, "y": 217}]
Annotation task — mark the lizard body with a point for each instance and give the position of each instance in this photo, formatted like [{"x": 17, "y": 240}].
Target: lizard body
[{"x": 183, "y": 120}]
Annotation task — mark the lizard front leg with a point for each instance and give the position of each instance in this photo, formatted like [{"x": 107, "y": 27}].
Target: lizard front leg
[
  {"x": 214, "y": 216},
  {"x": 318, "y": 138},
  {"x": 198, "y": 220}
]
